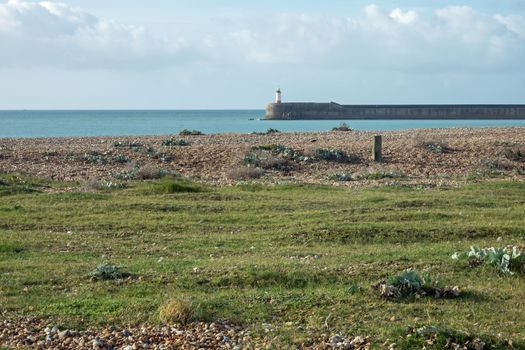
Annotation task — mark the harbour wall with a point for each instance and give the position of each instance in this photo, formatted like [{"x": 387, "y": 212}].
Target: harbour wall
[{"x": 332, "y": 110}]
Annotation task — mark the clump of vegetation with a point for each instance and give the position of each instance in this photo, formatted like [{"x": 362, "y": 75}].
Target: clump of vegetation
[
  {"x": 334, "y": 155},
  {"x": 186, "y": 132},
  {"x": 14, "y": 184},
  {"x": 273, "y": 156},
  {"x": 174, "y": 142},
  {"x": 245, "y": 173},
  {"x": 95, "y": 157},
  {"x": 150, "y": 152},
  {"x": 180, "y": 310},
  {"x": 147, "y": 172},
  {"x": 340, "y": 177},
  {"x": 121, "y": 158},
  {"x": 411, "y": 283},
  {"x": 436, "y": 337},
  {"x": 283, "y": 151},
  {"x": 382, "y": 175},
  {"x": 128, "y": 144},
  {"x": 434, "y": 146},
  {"x": 269, "y": 131},
  {"x": 100, "y": 185},
  {"x": 515, "y": 154},
  {"x": 506, "y": 260},
  {"x": 342, "y": 127},
  {"x": 496, "y": 166},
  {"x": 108, "y": 271},
  {"x": 264, "y": 160},
  {"x": 172, "y": 185}
]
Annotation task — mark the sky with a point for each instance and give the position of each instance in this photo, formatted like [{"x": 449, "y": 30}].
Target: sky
[{"x": 219, "y": 54}]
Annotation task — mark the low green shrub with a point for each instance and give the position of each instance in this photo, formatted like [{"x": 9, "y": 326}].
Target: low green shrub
[
  {"x": 284, "y": 151},
  {"x": 382, "y": 175},
  {"x": 95, "y": 157},
  {"x": 174, "y": 142},
  {"x": 333, "y": 155},
  {"x": 432, "y": 337},
  {"x": 410, "y": 283},
  {"x": 269, "y": 131},
  {"x": 186, "y": 132},
  {"x": 147, "y": 172},
  {"x": 107, "y": 271},
  {"x": 506, "y": 260},
  {"x": 245, "y": 173},
  {"x": 434, "y": 146},
  {"x": 179, "y": 310},
  {"x": 121, "y": 158},
  {"x": 128, "y": 144},
  {"x": 264, "y": 160},
  {"x": 340, "y": 177},
  {"x": 515, "y": 154},
  {"x": 172, "y": 185},
  {"x": 496, "y": 165},
  {"x": 273, "y": 156},
  {"x": 342, "y": 127}
]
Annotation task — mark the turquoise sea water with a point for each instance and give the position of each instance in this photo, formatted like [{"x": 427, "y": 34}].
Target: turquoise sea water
[{"x": 155, "y": 122}]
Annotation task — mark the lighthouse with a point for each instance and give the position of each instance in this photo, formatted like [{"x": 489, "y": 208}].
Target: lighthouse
[{"x": 278, "y": 96}]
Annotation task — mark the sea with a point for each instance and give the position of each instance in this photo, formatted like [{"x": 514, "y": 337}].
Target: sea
[{"x": 66, "y": 123}]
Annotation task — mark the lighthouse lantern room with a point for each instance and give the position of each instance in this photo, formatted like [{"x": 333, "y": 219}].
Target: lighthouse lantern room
[{"x": 278, "y": 96}]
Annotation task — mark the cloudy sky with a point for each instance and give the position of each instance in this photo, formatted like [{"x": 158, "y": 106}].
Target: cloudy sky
[{"x": 178, "y": 54}]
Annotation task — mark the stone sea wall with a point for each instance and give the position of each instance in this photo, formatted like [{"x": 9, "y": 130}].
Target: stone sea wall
[{"x": 300, "y": 111}]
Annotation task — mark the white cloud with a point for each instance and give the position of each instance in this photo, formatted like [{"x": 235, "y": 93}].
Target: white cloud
[
  {"x": 52, "y": 33},
  {"x": 407, "y": 17},
  {"x": 451, "y": 38},
  {"x": 49, "y": 33}
]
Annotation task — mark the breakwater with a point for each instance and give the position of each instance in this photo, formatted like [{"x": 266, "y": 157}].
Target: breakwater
[{"x": 332, "y": 110}]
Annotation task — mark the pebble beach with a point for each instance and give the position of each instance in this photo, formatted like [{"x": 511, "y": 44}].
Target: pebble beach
[{"x": 429, "y": 156}]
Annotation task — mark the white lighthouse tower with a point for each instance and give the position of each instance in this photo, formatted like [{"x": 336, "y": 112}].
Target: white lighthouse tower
[{"x": 278, "y": 96}]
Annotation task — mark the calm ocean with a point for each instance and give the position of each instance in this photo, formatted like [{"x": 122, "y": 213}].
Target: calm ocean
[{"x": 102, "y": 123}]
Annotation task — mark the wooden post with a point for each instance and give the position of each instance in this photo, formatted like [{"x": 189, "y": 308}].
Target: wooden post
[{"x": 378, "y": 142}]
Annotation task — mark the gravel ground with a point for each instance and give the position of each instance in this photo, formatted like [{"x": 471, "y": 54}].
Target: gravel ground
[
  {"x": 212, "y": 158},
  {"x": 36, "y": 333}
]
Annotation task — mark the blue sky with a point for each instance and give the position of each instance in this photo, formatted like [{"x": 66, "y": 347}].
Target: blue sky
[{"x": 167, "y": 54}]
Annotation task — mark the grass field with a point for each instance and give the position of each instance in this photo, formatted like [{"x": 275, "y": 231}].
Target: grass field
[{"x": 295, "y": 261}]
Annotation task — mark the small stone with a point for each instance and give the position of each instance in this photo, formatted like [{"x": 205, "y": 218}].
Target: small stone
[
  {"x": 97, "y": 344},
  {"x": 63, "y": 334},
  {"x": 336, "y": 339}
]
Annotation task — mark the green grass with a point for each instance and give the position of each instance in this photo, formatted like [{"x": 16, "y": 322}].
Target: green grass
[{"x": 299, "y": 257}]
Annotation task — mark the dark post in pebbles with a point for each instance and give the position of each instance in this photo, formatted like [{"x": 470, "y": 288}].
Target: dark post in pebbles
[{"x": 378, "y": 142}]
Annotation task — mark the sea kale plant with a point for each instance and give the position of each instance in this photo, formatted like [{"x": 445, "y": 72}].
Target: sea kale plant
[
  {"x": 186, "y": 132},
  {"x": 506, "y": 260},
  {"x": 342, "y": 177},
  {"x": 277, "y": 157},
  {"x": 410, "y": 283},
  {"x": 334, "y": 155},
  {"x": 173, "y": 142},
  {"x": 342, "y": 127},
  {"x": 434, "y": 146},
  {"x": 107, "y": 271}
]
